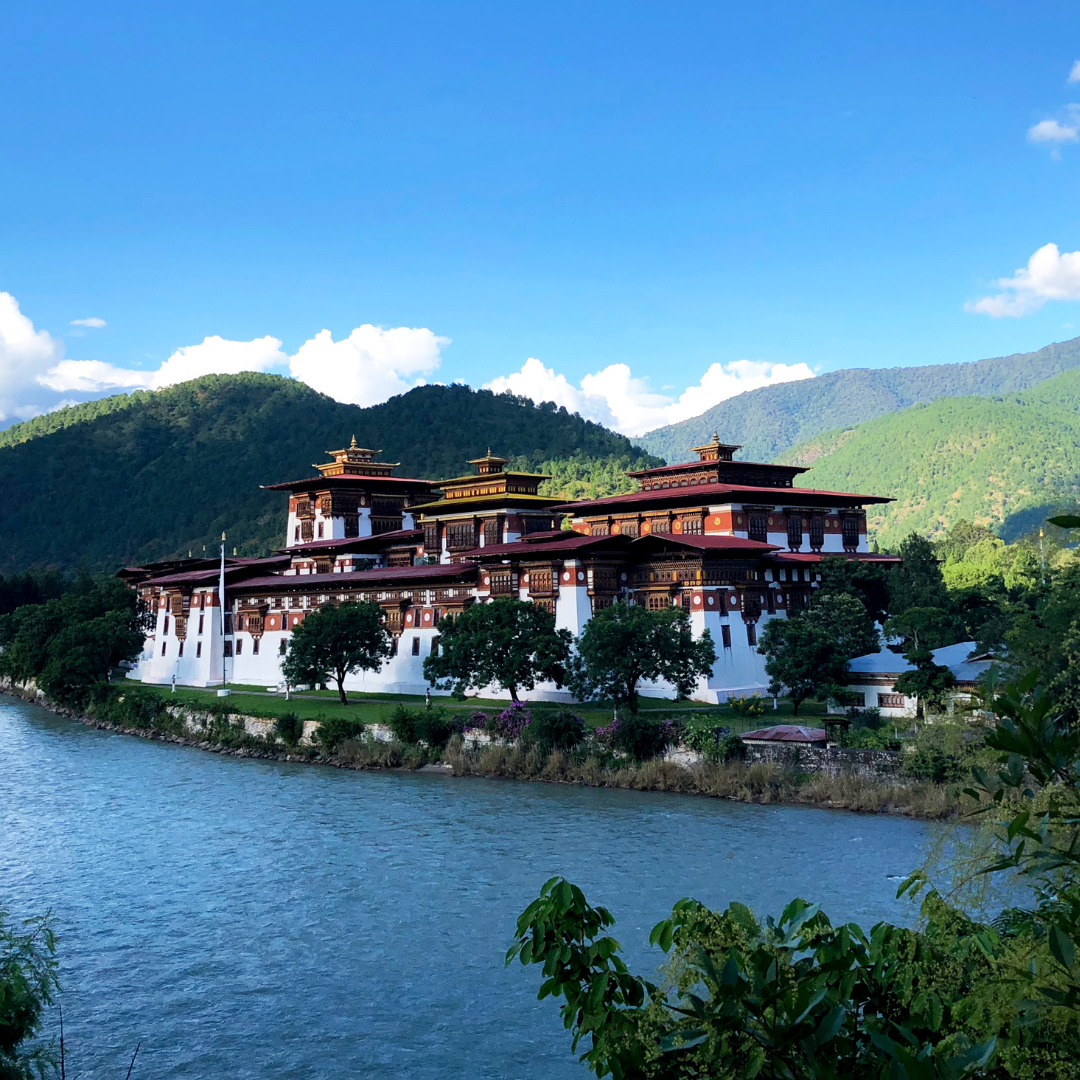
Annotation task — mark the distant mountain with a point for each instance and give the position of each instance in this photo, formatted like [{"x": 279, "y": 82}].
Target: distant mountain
[
  {"x": 1002, "y": 461},
  {"x": 768, "y": 421},
  {"x": 152, "y": 475}
]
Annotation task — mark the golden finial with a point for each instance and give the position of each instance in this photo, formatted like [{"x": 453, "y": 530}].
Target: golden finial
[
  {"x": 716, "y": 436},
  {"x": 352, "y": 445}
]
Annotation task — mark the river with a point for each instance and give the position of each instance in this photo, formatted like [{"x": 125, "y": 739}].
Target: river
[{"x": 245, "y": 918}]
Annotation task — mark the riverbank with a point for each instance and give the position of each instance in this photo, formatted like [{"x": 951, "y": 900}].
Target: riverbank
[{"x": 220, "y": 731}]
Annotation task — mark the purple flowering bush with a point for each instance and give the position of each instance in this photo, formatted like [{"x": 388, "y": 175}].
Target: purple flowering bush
[{"x": 638, "y": 735}]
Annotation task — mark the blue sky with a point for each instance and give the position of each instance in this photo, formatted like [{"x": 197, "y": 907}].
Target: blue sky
[{"x": 628, "y": 194}]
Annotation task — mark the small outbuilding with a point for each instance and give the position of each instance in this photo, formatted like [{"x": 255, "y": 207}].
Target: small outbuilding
[
  {"x": 786, "y": 733},
  {"x": 874, "y": 676}
]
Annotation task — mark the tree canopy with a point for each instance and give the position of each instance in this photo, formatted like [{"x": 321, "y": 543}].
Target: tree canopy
[
  {"x": 507, "y": 643},
  {"x": 335, "y": 641},
  {"x": 623, "y": 645}
]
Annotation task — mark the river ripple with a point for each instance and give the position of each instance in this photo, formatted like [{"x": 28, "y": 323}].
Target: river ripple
[{"x": 254, "y": 919}]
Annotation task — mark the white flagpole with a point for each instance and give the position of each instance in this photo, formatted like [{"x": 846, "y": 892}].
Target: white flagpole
[{"x": 221, "y": 599}]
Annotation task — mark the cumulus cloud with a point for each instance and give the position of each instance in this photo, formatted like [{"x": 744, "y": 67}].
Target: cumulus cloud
[
  {"x": 94, "y": 323},
  {"x": 1074, "y": 74},
  {"x": 1049, "y": 275},
  {"x": 25, "y": 353},
  {"x": 370, "y": 365},
  {"x": 617, "y": 398},
  {"x": 1053, "y": 131}
]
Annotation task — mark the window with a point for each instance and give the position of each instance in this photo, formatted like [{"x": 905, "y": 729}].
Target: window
[
  {"x": 890, "y": 701},
  {"x": 228, "y": 622},
  {"x": 198, "y": 649},
  {"x": 228, "y": 648},
  {"x": 296, "y": 533},
  {"x": 165, "y": 632},
  {"x": 629, "y": 528},
  {"x": 661, "y": 526},
  {"x": 817, "y": 532},
  {"x": 201, "y": 618},
  {"x": 759, "y": 528},
  {"x": 693, "y": 526},
  {"x": 751, "y": 634},
  {"x": 163, "y": 644},
  {"x": 725, "y": 635},
  {"x": 239, "y": 646},
  {"x": 794, "y": 531},
  {"x": 393, "y": 645},
  {"x": 255, "y": 647},
  {"x": 352, "y": 525},
  {"x": 282, "y": 647},
  {"x": 320, "y": 530},
  {"x": 850, "y": 531},
  {"x": 415, "y": 645},
  {"x": 431, "y": 538},
  {"x": 460, "y": 535},
  {"x": 491, "y": 533},
  {"x": 180, "y": 649},
  {"x": 657, "y": 603}
]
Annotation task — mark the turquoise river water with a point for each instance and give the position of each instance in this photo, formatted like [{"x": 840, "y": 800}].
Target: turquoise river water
[{"x": 253, "y": 919}]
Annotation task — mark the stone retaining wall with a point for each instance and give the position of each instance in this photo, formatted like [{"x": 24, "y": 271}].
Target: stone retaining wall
[{"x": 831, "y": 761}]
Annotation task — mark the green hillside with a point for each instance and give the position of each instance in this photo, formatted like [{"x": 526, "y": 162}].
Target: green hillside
[
  {"x": 768, "y": 421},
  {"x": 152, "y": 475},
  {"x": 998, "y": 461}
]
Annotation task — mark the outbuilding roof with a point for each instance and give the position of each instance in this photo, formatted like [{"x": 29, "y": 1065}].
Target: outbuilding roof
[
  {"x": 792, "y": 733},
  {"x": 961, "y": 659}
]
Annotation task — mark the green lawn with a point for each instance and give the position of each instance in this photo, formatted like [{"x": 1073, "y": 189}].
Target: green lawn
[{"x": 377, "y": 708}]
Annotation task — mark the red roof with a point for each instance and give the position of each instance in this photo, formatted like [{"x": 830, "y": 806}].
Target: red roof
[
  {"x": 436, "y": 573},
  {"x": 397, "y": 536},
  {"x": 714, "y": 493},
  {"x": 573, "y": 542},
  {"x": 686, "y": 466},
  {"x": 817, "y": 556},
  {"x": 794, "y": 733},
  {"x": 707, "y": 542}
]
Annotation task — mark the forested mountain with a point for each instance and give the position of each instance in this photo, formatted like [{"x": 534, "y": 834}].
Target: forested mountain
[
  {"x": 1002, "y": 462},
  {"x": 768, "y": 421},
  {"x": 154, "y": 474}
]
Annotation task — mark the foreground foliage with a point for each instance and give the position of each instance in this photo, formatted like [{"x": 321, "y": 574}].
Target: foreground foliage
[
  {"x": 798, "y": 998},
  {"x": 28, "y": 985}
]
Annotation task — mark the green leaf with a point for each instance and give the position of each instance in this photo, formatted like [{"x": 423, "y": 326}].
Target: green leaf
[
  {"x": 830, "y": 1025},
  {"x": 1062, "y": 947}
]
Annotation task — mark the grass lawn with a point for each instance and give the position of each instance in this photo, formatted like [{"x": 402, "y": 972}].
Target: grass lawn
[{"x": 377, "y": 708}]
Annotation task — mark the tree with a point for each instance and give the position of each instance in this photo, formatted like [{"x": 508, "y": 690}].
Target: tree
[
  {"x": 335, "y": 641},
  {"x": 925, "y": 627},
  {"x": 845, "y": 620},
  {"x": 917, "y": 582},
  {"x": 28, "y": 984},
  {"x": 867, "y": 582},
  {"x": 928, "y": 681},
  {"x": 70, "y": 643},
  {"x": 508, "y": 643},
  {"x": 802, "y": 657},
  {"x": 623, "y": 644}
]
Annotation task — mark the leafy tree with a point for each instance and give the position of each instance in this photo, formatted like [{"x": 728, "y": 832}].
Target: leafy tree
[
  {"x": 928, "y": 681},
  {"x": 335, "y": 641},
  {"x": 867, "y": 582},
  {"x": 28, "y": 984},
  {"x": 844, "y": 618},
  {"x": 917, "y": 582},
  {"x": 803, "y": 657},
  {"x": 925, "y": 627},
  {"x": 70, "y": 643},
  {"x": 508, "y": 643},
  {"x": 624, "y": 644}
]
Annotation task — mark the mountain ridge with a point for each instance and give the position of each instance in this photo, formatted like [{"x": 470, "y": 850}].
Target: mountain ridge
[{"x": 770, "y": 420}]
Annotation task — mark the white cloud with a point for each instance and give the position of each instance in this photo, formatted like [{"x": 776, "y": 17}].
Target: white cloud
[
  {"x": 1074, "y": 74},
  {"x": 1049, "y": 275},
  {"x": 24, "y": 354},
  {"x": 1051, "y": 131},
  {"x": 370, "y": 365},
  {"x": 94, "y": 322},
  {"x": 214, "y": 356},
  {"x": 615, "y": 397}
]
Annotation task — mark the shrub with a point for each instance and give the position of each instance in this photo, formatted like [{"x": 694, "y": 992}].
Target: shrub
[
  {"x": 638, "y": 736},
  {"x": 752, "y": 706},
  {"x": 427, "y": 725},
  {"x": 558, "y": 729},
  {"x": 934, "y": 764},
  {"x": 864, "y": 718},
  {"x": 730, "y": 748},
  {"x": 338, "y": 729},
  {"x": 289, "y": 728}
]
